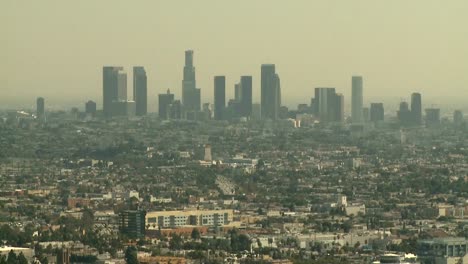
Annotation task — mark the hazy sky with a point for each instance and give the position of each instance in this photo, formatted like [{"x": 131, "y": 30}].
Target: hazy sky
[{"x": 56, "y": 49}]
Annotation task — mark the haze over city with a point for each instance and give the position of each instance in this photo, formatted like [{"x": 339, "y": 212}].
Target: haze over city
[
  {"x": 240, "y": 132},
  {"x": 56, "y": 49}
]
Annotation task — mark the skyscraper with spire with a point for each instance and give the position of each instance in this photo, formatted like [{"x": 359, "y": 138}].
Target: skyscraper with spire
[{"x": 190, "y": 93}]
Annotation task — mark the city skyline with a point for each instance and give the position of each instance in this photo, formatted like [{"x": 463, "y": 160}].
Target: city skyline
[
  {"x": 115, "y": 90},
  {"x": 243, "y": 132},
  {"x": 402, "y": 53},
  {"x": 116, "y": 77}
]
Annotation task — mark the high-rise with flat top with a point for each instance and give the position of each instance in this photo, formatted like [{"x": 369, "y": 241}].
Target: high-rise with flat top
[
  {"x": 458, "y": 117},
  {"x": 90, "y": 108},
  {"x": 376, "y": 112},
  {"x": 237, "y": 92},
  {"x": 404, "y": 114},
  {"x": 328, "y": 105},
  {"x": 110, "y": 88},
  {"x": 140, "y": 91},
  {"x": 432, "y": 117},
  {"x": 40, "y": 107},
  {"x": 191, "y": 100},
  {"x": 121, "y": 86},
  {"x": 246, "y": 96},
  {"x": 416, "y": 109},
  {"x": 270, "y": 92},
  {"x": 219, "y": 97},
  {"x": 165, "y": 102},
  {"x": 356, "y": 99}
]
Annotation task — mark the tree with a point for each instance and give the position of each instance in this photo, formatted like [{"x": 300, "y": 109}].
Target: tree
[
  {"x": 12, "y": 259},
  {"x": 43, "y": 260},
  {"x": 195, "y": 234},
  {"x": 22, "y": 259},
  {"x": 197, "y": 254},
  {"x": 176, "y": 242},
  {"x": 239, "y": 242},
  {"x": 131, "y": 255},
  {"x": 3, "y": 259}
]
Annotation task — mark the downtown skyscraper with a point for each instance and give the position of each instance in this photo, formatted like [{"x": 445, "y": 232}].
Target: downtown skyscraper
[
  {"x": 40, "y": 107},
  {"x": 246, "y": 96},
  {"x": 90, "y": 108},
  {"x": 110, "y": 88},
  {"x": 122, "y": 86},
  {"x": 140, "y": 90},
  {"x": 328, "y": 105},
  {"x": 164, "y": 103},
  {"x": 219, "y": 97},
  {"x": 114, "y": 86},
  {"x": 416, "y": 109},
  {"x": 356, "y": 99},
  {"x": 270, "y": 92},
  {"x": 377, "y": 112},
  {"x": 190, "y": 93}
]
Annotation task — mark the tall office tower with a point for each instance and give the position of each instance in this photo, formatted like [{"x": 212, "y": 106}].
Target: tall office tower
[
  {"x": 140, "y": 90},
  {"x": 120, "y": 106},
  {"x": 122, "y": 86},
  {"x": 219, "y": 97},
  {"x": 256, "y": 111},
  {"x": 365, "y": 114},
  {"x": 175, "y": 110},
  {"x": 109, "y": 88},
  {"x": 356, "y": 99},
  {"x": 376, "y": 112},
  {"x": 165, "y": 101},
  {"x": 40, "y": 107},
  {"x": 270, "y": 94},
  {"x": 329, "y": 105},
  {"x": 246, "y": 96},
  {"x": 90, "y": 108},
  {"x": 284, "y": 112},
  {"x": 321, "y": 102},
  {"x": 233, "y": 110},
  {"x": 314, "y": 104},
  {"x": 207, "y": 112},
  {"x": 458, "y": 117},
  {"x": 278, "y": 91},
  {"x": 404, "y": 114},
  {"x": 432, "y": 117},
  {"x": 190, "y": 93},
  {"x": 339, "y": 114},
  {"x": 123, "y": 108},
  {"x": 416, "y": 108},
  {"x": 132, "y": 223},
  {"x": 237, "y": 92}
]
